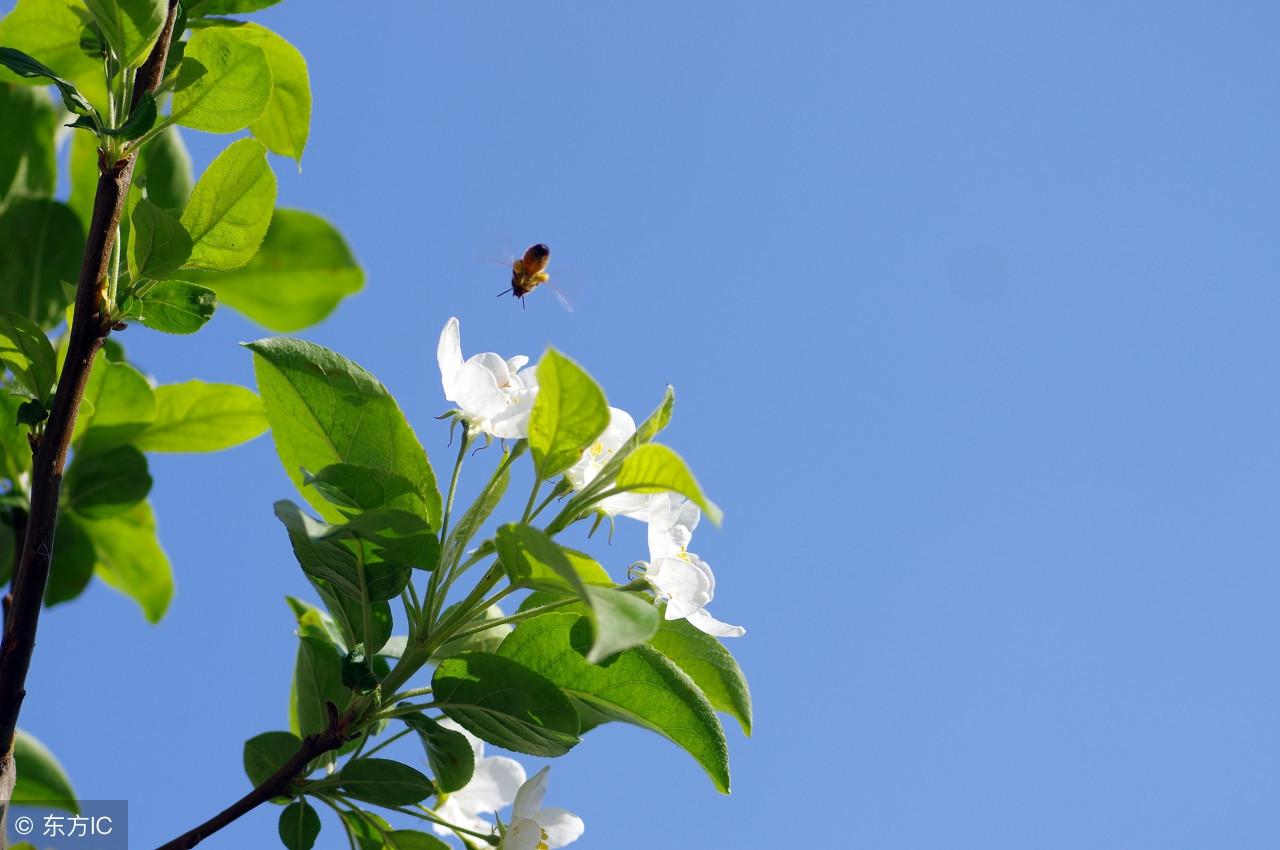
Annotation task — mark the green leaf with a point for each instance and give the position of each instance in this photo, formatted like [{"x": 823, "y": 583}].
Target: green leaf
[
  {"x": 130, "y": 559},
  {"x": 26, "y": 66},
  {"x": 569, "y": 413},
  {"x": 15, "y": 451},
  {"x": 203, "y": 8},
  {"x": 121, "y": 406},
  {"x": 51, "y": 30},
  {"x": 299, "y": 826},
  {"x": 313, "y": 622},
  {"x": 199, "y": 417},
  {"x": 73, "y": 559},
  {"x": 303, "y": 269},
  {"x": 357, "y": 671},
  {"x": 43, "y": 243},
  {"x": 84, "y": 177},
  {"x": 367, "y": 830},
  {"x": 396, "y": 537},
  {"x": 361, "y": 488},
  {"x": 449, "y": 753},
  {"x": 106, "y": 484},
  {"x": 711, "y": 666},
  {"x": 505, "y": 703},
  {"x": 164, "y": 168},
  {"x": 639, "y": 686},
  {"x": 129, "y": 26},
  {"x": 409, "y": 839},
  {"x": 140, "y": 120},
  {"x": 331, "y": 567},
  {"x": 266, "y": 753},
  {"x": 28, "y": 354},
  {"x": 177, "y": 307},
  {"x": 325, "y": 409},
  {"x": 27, "y": 156},
  {"x": 384, "y": 782},
  {"x": 532, "y": 559},
  {"x": 158, "y": 243},
  {"x": 285, "y": 124},
  {"x": 317, "y": 677},
  {"x": 223, "y": 84},
  {"x": 40, "y": 778},
  {"x": 230, "y": 207},
  {"x": 653, "y": 468}
]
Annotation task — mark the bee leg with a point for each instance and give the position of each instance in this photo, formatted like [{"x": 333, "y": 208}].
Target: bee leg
[{"x": 504, "y": 292}]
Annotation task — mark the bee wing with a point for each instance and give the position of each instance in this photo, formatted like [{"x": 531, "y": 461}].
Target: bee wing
[{"x": 560, "y": 296}]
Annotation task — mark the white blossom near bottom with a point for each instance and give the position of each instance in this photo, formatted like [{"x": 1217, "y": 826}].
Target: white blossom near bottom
[
  {"x": 535, "y": 828},
  {"x": 680, "y": 577},
  {"x": 493, "y": 786}
]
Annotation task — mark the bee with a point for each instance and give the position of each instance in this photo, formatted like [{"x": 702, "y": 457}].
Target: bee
[{"x": 529, "y": 271}]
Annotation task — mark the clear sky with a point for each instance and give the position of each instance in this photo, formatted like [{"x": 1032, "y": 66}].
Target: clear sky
[{"x": 972, "y": 313}]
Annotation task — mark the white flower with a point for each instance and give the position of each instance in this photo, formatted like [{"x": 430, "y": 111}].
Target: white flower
[
  {"x": 493, "y": 786},
  {"x": 594, "y": 457},
  {"x": 535, "y": 828},
  {"x": 680, "y": 577},
  {"x": 494, "y": 395}
]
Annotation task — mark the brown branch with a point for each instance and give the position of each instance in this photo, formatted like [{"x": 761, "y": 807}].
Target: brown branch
[
  {"x": 89, "y": 329},
  {"x": 277, "y": 785}
]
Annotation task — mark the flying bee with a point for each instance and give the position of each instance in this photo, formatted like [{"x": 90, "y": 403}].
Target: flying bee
[{"x": 529, "y": 271}]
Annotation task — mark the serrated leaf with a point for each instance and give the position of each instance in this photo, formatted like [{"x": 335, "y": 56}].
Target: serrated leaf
[
  {"x": 449, "y": 753},
  {"x": 129, "y": 559},
  {"x": 51, "y": 30},
  {"x": 654, "y": 468},
  {"x": 198, "y": 417},
  {"x": 285, "y": 123},
  {"x": 177, "y": 307},
  {"x": 639, "y": 686},
  {"x": 570, "y": 411},
  {"x": 317, "y": 681},
  {"x": 299, "y": 275},
  {"x": 158, "y": 243},
  {"x": 325, "y": 409},
  {"x": 384, "y": 782},
  {"x": 711, "y": 666},
  {"x": 223, "y": 83},
  {"x": 505, "y": 703},
  {"x": 121, "y": 405},
  {"x": 230, "y": 207}
]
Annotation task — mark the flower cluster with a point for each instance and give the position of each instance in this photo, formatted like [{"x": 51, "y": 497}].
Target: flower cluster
[
  {"x": 494, "y": 396},
  {"x": 499, "y": 782}
]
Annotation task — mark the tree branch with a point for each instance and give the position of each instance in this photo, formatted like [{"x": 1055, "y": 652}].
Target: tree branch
[
  {"x": 278, "y": 784},
  {"x": 89, "y": 329}
]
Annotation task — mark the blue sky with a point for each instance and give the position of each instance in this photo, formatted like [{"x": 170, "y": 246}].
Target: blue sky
[{"x": 971, "y": 312}]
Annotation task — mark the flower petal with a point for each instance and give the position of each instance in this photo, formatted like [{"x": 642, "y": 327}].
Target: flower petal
[
  {"x": 702, "y": 620},
  {"x": 672, "y": 519},
  {"x": 687, "y": 585},
  {"x": 561, "y": 825},
  {"x": 523, "y": 834},
  {"x": 529, "y": 797},
  {"x": 449, "y": 353},
  {"x": 494, "y": 784}
]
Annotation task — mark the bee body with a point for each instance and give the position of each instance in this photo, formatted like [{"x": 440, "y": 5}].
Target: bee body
[{"x": 529, "y": 271}]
